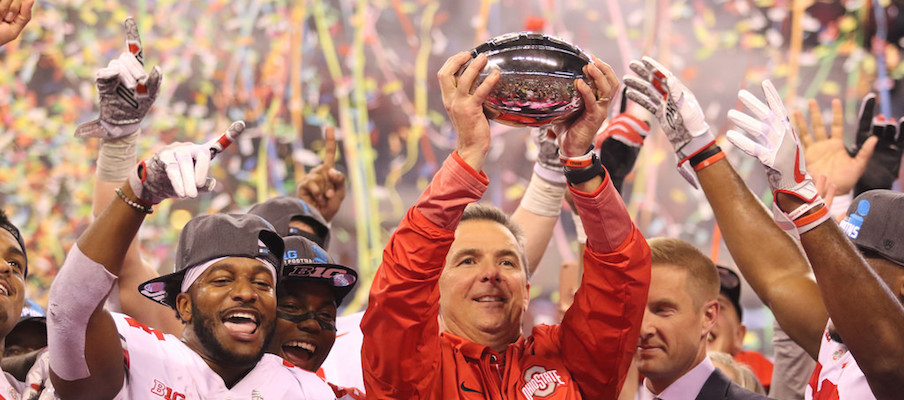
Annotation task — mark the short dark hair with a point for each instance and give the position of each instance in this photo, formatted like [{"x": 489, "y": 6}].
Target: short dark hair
[
  {"x": 5, "y": 223},
  {"x": 489, "y": 212}
]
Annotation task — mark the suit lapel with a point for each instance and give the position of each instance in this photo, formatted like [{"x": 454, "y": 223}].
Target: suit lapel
[{"x": 715, "y": 388}]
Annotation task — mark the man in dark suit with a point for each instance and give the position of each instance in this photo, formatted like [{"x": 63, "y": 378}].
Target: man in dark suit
[{"x": 682, "y": 308}]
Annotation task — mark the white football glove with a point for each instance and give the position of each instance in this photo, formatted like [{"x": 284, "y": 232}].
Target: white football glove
[
  {"x": 675, "y": 107},
  {"x": 126, "y": 91},
  {"x": 180, "y": 169},
  {"x": 771, "y": 139}
]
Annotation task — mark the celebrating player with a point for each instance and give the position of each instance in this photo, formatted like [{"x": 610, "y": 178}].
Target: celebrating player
[{"x": 223, "y": 288}]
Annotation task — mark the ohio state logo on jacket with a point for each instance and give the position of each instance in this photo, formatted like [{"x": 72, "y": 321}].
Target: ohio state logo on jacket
[{"x": 540, "y": 382}]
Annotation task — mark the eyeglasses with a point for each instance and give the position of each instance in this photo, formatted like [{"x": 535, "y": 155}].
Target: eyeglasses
[{"x": 326, "y": 323}]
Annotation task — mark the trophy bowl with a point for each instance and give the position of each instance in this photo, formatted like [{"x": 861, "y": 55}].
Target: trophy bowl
[{"x": 536, "y": 84}]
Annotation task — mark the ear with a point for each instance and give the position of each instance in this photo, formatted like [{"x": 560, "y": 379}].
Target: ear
[
  {"x": 526, "y": 298},
  {"x": 710, "y": 313},
  {"x": 183, "y": 306},
  {"x": 742, "y": 331}
]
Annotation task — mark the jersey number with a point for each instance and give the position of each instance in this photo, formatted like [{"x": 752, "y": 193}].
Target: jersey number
[{"x": 135, "y": 324}]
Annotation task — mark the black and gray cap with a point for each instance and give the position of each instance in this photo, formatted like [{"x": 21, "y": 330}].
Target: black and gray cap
[
  {"x": 875, "y": 221},
  {"x": 281, "y": 210},
  {"x": 208, "y": 237},
  {"x": 305, "y": 260}
]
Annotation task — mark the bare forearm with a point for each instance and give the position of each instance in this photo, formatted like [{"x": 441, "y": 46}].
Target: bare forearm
[
  {"x": 865, "y": 312},
  {"x": 767, "y": 257},
  {"x": 107, "y": 239}
]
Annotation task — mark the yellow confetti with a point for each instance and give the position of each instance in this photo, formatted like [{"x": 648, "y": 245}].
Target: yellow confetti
[
  {"x": 178, "y": 218},
  {"x": 830, "y": 88}
]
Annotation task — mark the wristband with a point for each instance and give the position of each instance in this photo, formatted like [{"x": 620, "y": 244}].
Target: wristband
[
  {"x": 704, "y": 156},
  {"x": 579, "y": 162},
  {"x": 709, "y": 161},
  {"x": 804, "y": 208},
  {"x": 806, "y": 223},
  {"x": 542, "y": 197},
  {"x": 578, "y": 176}
]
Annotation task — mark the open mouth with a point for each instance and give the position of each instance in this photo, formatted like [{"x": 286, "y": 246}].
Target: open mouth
[
  {"x": 4, "y": 291},
  {"x": 298, "y": 352},
  {"x": 242, "y": 324}
]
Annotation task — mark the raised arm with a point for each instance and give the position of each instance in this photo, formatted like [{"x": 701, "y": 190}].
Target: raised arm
[
  {"x": 767, "y": 257},
  {"x": 401, "y": 332},
  {"x": 855, "y": 295},
  {"x": 603, "y": 323},
  {"x": 324, "y": 186},
  {"x": 117, "y": 156}
]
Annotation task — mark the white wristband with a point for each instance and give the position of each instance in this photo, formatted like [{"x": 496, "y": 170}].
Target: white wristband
[
  {"x": 542, "y": 197},
  {"x": 841, "y": 204},
  {"x": 116, "y": 158}
]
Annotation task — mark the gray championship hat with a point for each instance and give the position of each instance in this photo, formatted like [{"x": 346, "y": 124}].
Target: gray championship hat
[
  {"x": 207, "y": 237},
  {"x": 281, "y": 210},
  {"x": 305, "y": 260},
  {"x": 875, "y": 221}
]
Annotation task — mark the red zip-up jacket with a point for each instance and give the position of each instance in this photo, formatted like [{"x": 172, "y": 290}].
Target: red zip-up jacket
[{"x": 405, "y": 356}]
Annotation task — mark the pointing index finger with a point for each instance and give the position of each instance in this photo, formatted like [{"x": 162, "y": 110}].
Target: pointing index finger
[
  {"x": 329, "y": 150},
  {"x": 133, "y": 40},
  {"x": 221, "y": 143}
]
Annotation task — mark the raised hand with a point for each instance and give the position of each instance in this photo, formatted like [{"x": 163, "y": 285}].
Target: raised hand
[
  {"x": 579, "y": 134},
  {"x": 884, "y": 165},
  {"x": 825, "y": 152},
  {"x": 465, "y": 107},
  {"x": 15, "y": 15},
  {"x": 126, "y": 90},
  {"x": 324, "y": 186},
  {"x": 675, "y": 107},
  {"x": 180, "y": 169},
  {"x": 770, "y": 138}
]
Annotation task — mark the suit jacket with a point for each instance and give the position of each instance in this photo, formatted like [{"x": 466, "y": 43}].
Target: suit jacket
[{"x": 719, "y": 387}]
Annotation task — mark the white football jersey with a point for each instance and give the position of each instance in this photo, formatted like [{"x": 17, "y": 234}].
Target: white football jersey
[
  {"x": 160, "y": 367},
  {"x": 10, "y": 388},
  {"x": 342, "y": 366},
  {"x": 837, "y": 375}
]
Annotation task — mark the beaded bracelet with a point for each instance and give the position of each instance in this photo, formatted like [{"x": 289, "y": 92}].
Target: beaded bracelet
[{"x": 140, "y": 207}]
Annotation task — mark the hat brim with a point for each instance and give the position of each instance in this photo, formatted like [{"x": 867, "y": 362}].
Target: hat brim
[
  {"x": 339, "y": 278},
  {"x": 163, "y": 289}
]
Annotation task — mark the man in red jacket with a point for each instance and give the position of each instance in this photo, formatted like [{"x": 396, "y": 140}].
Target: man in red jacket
[{"x": 444, "y": 319}]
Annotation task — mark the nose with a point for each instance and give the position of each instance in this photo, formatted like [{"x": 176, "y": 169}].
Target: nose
[
  {"x": 5, "y": 268},
  {"x": 243, "y": 291},
  {"x": 309, "y": 325},
  {"x": 646, "y": 326},
  {"x": 490, "y": 272}
]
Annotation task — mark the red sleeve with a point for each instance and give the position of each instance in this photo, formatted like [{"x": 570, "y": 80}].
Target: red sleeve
[
  {"x": 598, "y": 334},
  {"x": 401, "y": 351}
]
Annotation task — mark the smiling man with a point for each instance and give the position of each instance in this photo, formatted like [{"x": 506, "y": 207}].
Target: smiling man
[
  {"x": 223, "y": 290},
  {"x": 446, "y": 305},
  {"x": 13, "y": 271},
  {"x": 681, "y": 310},
  {"x": 310, "y": 291}
]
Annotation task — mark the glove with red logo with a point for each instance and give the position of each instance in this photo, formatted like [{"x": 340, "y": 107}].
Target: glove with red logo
[
  {"x": 180, "y": 169},
  {"x": 771, "y": 139},
  {"x": 126, "y": 91},
  {"x": 675, "y": 107}
]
